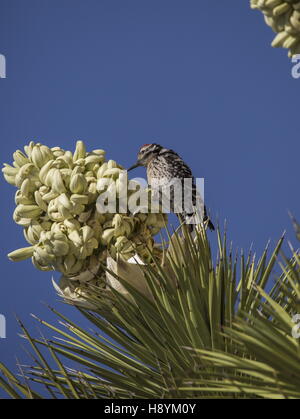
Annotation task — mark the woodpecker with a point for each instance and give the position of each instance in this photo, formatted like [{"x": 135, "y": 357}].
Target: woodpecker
[{"x": 164, "y": 165}]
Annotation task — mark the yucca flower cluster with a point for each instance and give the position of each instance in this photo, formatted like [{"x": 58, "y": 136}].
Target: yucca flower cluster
[
  {"x": 284, "y": 18},
  {"x": 56, "y": 205}
]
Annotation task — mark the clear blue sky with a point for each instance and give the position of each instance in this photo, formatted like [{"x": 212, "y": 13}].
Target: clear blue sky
[{"x": 196, "y": 76}]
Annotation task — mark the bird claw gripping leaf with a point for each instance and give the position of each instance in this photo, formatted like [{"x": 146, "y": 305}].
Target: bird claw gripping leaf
[
  {"x": 56, "y": 205},
  {"x": 284, "y": 18}
]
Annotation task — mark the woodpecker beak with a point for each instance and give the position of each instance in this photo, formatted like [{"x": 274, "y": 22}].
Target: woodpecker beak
[{"x": 134, "y": 166}]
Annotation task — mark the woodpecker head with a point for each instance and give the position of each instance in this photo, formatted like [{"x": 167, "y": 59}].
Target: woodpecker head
[{"x": 146, "y": 154}]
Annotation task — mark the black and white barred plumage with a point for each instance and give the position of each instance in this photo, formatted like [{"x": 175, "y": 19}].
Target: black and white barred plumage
[{"x": 163, "y": 165}]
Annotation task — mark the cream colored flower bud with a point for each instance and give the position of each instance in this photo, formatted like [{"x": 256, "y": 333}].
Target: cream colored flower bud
[
  {"x": 28, "y": 211},
  {"x": 21, "y": 254},
  {"x": 66, "y": 160},
  {"x": 117, "y": 221},
  {"x": 65, "y": 213},
  {"x": 107, "y": 235},
  {"x": 92, "y": 169},
  {"x": 64, "y": 200},
  {"x": 28, "y": 171},
  {"x": 77, "y": 170},
  {"x": 28, "y": 148},
  {"x": 24, "y": 222},
  {"x": 78, "y": 184},
  {"x": 60, "y": 248},
  {"x": 57, "y": 151},
  {"x": 74, "y": 236},
  {"x": 10, "y": 170},
  {"x": 80, "y": 163},
  {"x": 111, "y": 164},
  {"x": 78, "y": 209},
  {"x": 92, "y": 192},
  {"x": 79, "y": 199},
  {"x": 43, "y": 258},
  {"x": 281, "y": 9},
  {"x": 93, "y": 159},
  {"x": 295, "y": 20},
  {"x": 31, "y": 184},
  {"x": 58, "y": 228},
  {"x": 33, "y": 232},
  {"x": 122, "y": 243},
  {"x": 120, "y": 231},
  {"x": 57, "y": 182},
  {"x": 84, "y": 242},
  {"x": 66, "y": 176},
  {"x": 69, "y": 265},
  {"x": 102, "y": 170},
  {"x": 9, "y": 179},
  {"x": 115, "y": 173},
  {"x": 100, "y": 152},
  {"x": 40, "y": 155},
  {"x": 50, "y": 196},
  {"x": 45, "y": 170},
  {"x": 53, "y": 211},
  {"x": 87, "y": 233},
  {"x": 20, "y": 158},
  {"x": 27, "y": 187},
  {"x": 80, "y": 151},
  {"x": 97, "y": 229},
  {"x": 89, "y": 174},
  {"x": 23, "y": 199},
  {"x": 43, "y": 190},
  {"x": 72, "y": 224},
  {"x": 40, "y": 202},
  {"x": 41, "y": 267},
  {"x": 56, "y": 243},
  {"x": 71, "y": 210},
  {"x": 88, "y": 248},
  {"x": 60, "y": 163}
]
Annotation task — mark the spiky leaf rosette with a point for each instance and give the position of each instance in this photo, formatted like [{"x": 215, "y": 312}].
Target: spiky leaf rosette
[{"x": 188, "y": 327}]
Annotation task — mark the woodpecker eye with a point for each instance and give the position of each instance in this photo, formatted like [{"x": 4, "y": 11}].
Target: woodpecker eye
[
  {"x": 142, "y": 151},
  {"x": 144, "y": 148}
]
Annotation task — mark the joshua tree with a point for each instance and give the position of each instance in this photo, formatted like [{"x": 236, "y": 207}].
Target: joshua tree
[{"x": 174, "y": 324}]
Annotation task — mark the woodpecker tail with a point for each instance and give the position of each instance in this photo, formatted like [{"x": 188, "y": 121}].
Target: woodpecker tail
[
  {"x": 209, "y": 224},
  {"x": 186, "y": 218},
  {"x": 206, "y": 218}
]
